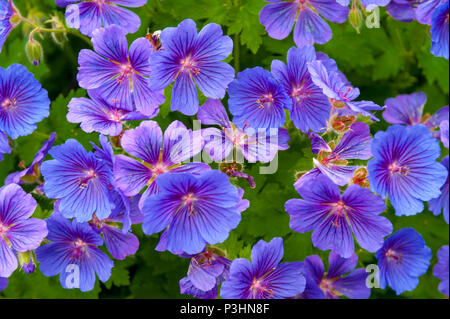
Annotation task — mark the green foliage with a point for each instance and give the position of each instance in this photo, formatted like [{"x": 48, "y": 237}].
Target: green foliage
[{"x": 383, "y": 63}]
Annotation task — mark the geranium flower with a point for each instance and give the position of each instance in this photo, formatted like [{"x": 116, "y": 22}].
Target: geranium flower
[
  {"x": 404, "y": 167},
  {"x": 402, "y": 260},
  {"x": 192, "y": 211},
  {"x": 279, "y": 17},
  {"x": 80, "y": 180},
  {"x": 265, "y": 277},
  {"x": 310, "y": 107},
  {"x": 342, "y": 279},
  {"x": 439, "y": 31},
  {"x": 18, "y": 232},
  {"x": 23, "y": 101},
  {"x": 73, "y": 246},
  {"x": 8, "y": 20},
  {"x": 256, "y": 100},
  {"x": 334, "y": 217},
  {"x": 192, "y": 59},
  {"x": 119, "y": 74}
]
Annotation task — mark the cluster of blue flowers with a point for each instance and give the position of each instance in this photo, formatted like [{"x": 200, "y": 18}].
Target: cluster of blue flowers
[{"x": 98, "y": 194}]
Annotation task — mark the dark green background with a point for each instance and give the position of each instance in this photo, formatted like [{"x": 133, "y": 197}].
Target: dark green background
[{"x": 383, "y": 63}]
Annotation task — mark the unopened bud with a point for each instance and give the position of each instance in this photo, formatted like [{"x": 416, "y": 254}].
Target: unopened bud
[
  {"x": 356, "y": 18},
  {"x": 34, "y": 51},
  {"x": 360, "y": 178},
  {"x": 341, "y": 124},
  {"x": 26, "y": 261},
  {"x": 155, "y": 40}
]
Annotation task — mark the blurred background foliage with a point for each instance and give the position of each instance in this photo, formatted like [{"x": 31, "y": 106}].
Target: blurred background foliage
[{"x": 383, "y": 62}]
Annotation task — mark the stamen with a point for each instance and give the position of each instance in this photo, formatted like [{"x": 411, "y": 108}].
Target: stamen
[
  {"x": 188, "y": 65},
  {"x": 264, "y": 99},
  {"x": 84, "y": 182},
  {"x": 395, "y": 168},
  {"x": 9, "y": 104}
]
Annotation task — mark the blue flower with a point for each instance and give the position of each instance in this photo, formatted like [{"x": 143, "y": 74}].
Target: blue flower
[
  {"x": 193, "y": 211},
  {"x": 87, "y": 15},
  {"x": 3, "y": 283},
  {"x": 265, "y": 277},
  {"x": 80, "y": 180},
  {"x": 342, "y": 279},
  {"x": 402, "y": 260},
  {"x": 279, "y": 17},
  {"x": 256, "y": 100},
  {"x": 336, "y": 218},
  {"x": 73, "y": 251},
  {"x": 18, "y": 232},
  {"x": 23, "y": 101},
  {"x": 118, "y": 74},
  {"x": 439, "y": 31},
  {"x": 441, "y": 269},
  {"x": 404, "y": 167},
  {"x": 310, "y": 107},
  {"x": 192, "y": 59}
]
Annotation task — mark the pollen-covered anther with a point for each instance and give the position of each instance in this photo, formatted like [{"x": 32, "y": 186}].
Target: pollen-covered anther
[
  {"x": 395, "y": 168},
  {"x": 89, "y": 175},
  {"x": 125, "y": 71},
  {"x": 265, "y": 100},
  {"x": 3, "y": 230},
  {"x": 393, "y": 256},
  {"x": 188, "y": 65},
  {"x": 9, "y": 104},
  {"x": 189, "y": 200},
  {"x": 258, "y": 287}
]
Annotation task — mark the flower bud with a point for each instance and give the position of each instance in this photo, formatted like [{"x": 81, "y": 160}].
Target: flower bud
[
  {"x": 360, "y": 178},
  {"x": 26, "y": 261},
  {"x": 34, "y": 51},
  {"x": 356, "y": 18},
  {"x": 58, "y": 37}
]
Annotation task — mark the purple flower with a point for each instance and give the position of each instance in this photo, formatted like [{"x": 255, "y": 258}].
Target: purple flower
[
  {"x": 256, "y": 100},
  {"x": 265, "y": 277},
  {"x": 18, "y": 232},
  {"x": 339, "y": 90},
  {"x": 194, "y": 211},
  {"x": 3, "y": 283},
  {"x": 261, "y": 145},
  {"x": 404, "y": 167},
  {"x": 206, "y": 271},
  {"x": 444, "y": 133},
  {"x": 441, "y": 269},
  {"x": 279, "y": 17},
  {"x": 118, "y": 74},
  {"x": 335, "y": 217},
  {"x": 402, "y": 260},
  {"x": 310, "y": 107},
  {"x": 403, "y": 10},
  {"x": 5, "y": 148},
  {"x": 425, "y": 9},
  {"x": 80, "y": 180},
  {"x": 159, "y": 154},
  {"x": 23, "y": 101},
  {"x": 436, "y": 205},
  {"x": 439, "y": 31},
  {"x": 88, "y": 15},
  {"x": 8, "y": 15},
  {"x": 341, "y": 279},
  {"x": 33, "y": 171},
  {"x": 73, "y": 251},
  {"x": 355, "y": 144},
  {"x": 99, "y": 115},
  {"x": 192, "y": 59}
]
